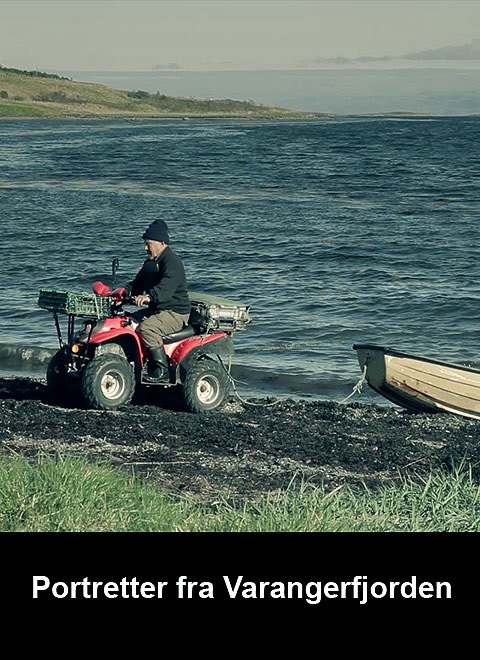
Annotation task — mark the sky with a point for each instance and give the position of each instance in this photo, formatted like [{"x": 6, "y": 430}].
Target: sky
[{"x": 145, "y": 35}]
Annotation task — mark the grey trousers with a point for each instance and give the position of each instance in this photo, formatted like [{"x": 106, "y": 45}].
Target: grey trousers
[{"x": 153, "y": 326}]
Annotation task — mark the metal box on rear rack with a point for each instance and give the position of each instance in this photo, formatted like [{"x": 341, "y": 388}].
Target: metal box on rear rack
[{"x": 219, "y": 313}]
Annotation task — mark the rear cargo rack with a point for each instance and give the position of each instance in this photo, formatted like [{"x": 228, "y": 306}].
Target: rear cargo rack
[{"x": 218, "y": 313}]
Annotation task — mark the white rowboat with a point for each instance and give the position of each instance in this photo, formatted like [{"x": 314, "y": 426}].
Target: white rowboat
[{"x": 420, "y": 384}]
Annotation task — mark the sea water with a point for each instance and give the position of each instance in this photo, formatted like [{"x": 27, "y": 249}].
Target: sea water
[{"x": 337, "y": 231}]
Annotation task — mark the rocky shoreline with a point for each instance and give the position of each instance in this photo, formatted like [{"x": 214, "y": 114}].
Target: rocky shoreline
[{"x": 248, "y": 449}]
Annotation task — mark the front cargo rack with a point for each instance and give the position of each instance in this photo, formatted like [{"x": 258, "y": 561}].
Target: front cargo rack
[{"x": 78, "y": 303}]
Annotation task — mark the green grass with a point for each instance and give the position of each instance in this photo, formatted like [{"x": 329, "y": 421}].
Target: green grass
[
  {"x": 21, "y": 109},
  {"x": 66, "y": 494}
]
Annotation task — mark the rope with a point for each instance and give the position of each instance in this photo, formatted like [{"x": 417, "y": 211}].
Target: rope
[
  {"x": 250, "y": 403},
  {"x": 357, "y": 388},
  {"x": 233, "y": 381}
]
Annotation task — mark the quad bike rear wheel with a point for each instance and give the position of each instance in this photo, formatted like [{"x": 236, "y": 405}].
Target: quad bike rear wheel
[
  {"x": 108, "y": 382},
  {"x": 205, "y": 386}
]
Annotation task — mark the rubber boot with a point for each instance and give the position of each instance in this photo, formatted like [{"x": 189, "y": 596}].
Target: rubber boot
[{"x": 159, "y": 371}]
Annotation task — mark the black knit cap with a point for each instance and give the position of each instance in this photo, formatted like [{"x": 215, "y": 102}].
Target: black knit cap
[{"x": 157, "y": 231}]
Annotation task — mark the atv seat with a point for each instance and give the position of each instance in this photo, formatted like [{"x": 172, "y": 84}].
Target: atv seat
[{"x": 186, "y": 331}]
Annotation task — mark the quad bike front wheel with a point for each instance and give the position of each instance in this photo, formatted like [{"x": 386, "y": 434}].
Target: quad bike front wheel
[
  {"x": 108, "y": 382},
  {"x": 205, "y": 386},
  {"x": 57, "y": 386}
]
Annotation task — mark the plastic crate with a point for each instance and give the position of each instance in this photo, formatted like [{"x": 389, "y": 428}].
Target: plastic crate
[
  {"x": 219, "y": 313},
  {"x": 79, "y": 303}
]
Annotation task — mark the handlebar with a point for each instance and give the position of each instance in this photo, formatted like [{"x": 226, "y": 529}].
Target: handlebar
[{"x": 102, "y": 289}]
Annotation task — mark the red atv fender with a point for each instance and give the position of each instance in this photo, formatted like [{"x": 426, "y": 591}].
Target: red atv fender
[
  {"x": 113, "y": 327},
  {"x": 179, "y": 350}
]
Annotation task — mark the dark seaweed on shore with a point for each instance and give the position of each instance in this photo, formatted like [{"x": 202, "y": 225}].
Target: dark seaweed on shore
[{"x": 248, "y": 449}]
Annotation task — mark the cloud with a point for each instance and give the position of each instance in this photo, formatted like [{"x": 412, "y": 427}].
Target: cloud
[{"x": 470, "y": 51}]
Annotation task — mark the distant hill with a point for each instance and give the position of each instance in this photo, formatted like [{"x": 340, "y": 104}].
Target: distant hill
[
  {"x": 470, "y": 51},
  {"x": 36, "y": 94}
]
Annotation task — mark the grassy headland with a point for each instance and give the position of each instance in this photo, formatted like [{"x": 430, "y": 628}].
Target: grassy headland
[{"x": 33, "y": 94}]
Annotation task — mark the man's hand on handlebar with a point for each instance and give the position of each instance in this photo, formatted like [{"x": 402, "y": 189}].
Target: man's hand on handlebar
[{"x": 141, "y": 300}]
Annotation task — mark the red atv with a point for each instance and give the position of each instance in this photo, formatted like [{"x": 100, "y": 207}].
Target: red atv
[{"x": 105, "y": 361}]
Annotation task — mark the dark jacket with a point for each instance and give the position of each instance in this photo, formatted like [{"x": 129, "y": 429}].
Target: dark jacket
[{"x": 164, "y": 280}]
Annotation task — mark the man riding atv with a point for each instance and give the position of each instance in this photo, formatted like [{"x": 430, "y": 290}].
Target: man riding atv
[
  {"x": 180, "y": 341},
  {"x": 161, "y": 284}
]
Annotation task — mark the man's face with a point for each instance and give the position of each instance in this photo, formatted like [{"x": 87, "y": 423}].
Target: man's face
[{"x": 153, "y": 248}]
